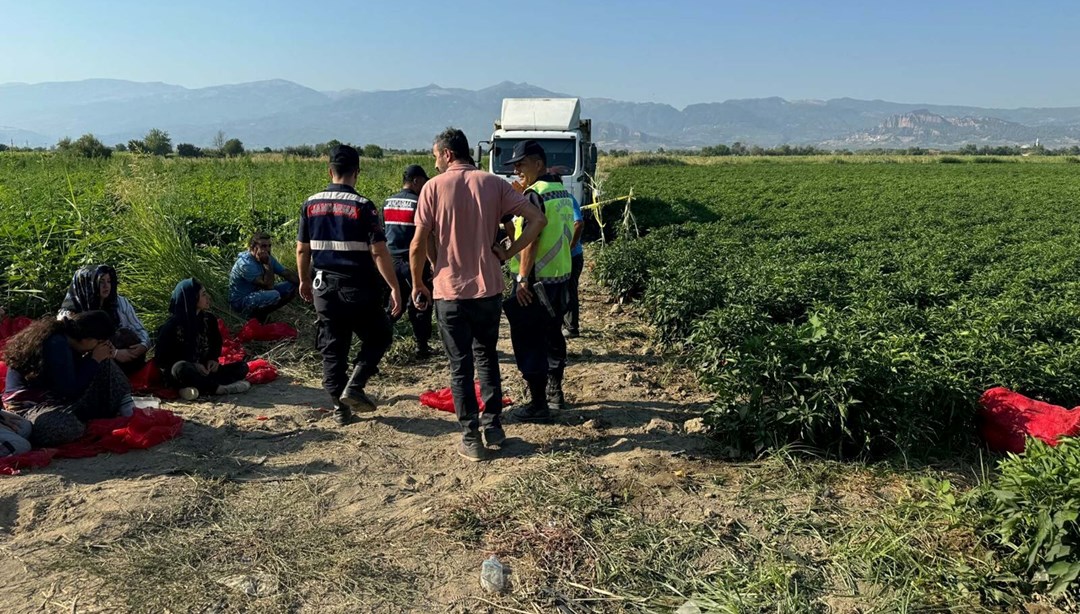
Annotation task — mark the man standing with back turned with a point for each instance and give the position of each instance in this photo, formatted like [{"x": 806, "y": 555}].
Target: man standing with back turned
[
  {"x": 399, "y": 216},
  {"x": 340, "y": 254},
  {"x": 462, "y": 208}
]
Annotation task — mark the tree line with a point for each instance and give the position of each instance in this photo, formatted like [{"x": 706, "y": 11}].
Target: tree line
[{"x": 158, "y": 143}]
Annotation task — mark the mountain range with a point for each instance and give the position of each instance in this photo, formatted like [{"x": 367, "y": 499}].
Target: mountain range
[{"x": 278, "y": 113}]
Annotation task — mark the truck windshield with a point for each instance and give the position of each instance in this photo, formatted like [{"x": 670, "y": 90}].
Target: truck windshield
[{"x": 560, "y": 152}]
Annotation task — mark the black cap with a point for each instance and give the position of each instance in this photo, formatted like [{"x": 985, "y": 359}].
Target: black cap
[
  {"x": 525, "y": 148},
  {"x": 345, "y": 156},
  {"x": 413, "y": 171}
]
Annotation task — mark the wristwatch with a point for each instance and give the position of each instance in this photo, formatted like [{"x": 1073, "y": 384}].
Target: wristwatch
[{"x": 521, "y": 280}]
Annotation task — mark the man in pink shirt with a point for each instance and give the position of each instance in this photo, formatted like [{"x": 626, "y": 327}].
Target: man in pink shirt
[{"x": 460, "y": 210}]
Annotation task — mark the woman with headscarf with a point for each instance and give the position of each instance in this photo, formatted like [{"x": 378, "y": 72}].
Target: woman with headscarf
[
  {"x": 189, "y": 345},
  {"x": 61, "y": 375},
  {"x": 94, "y": 287}
]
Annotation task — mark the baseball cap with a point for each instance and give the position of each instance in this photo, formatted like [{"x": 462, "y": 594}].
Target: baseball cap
[
  {"x": 413, "y": 171},
  {"x": 523, "y": 149},
  {"x": 345, "y": 156}
]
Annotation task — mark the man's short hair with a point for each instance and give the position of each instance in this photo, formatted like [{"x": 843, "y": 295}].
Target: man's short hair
[
  {"x": 454, "y": 140},
  {"x": 344, "y": 160},
  {"x": 413, "y": 171},
  {"x": 258, "y": 236}
]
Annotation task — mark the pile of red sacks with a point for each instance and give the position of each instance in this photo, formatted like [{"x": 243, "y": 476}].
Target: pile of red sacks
[
  {"x": 1009, "y": 418},
  {"x": 143, "y": 429},
  {"x": 443, "y": 400}
]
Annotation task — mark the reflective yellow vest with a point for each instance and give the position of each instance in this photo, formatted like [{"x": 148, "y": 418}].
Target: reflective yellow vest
[{"x": 553, "y": 255}]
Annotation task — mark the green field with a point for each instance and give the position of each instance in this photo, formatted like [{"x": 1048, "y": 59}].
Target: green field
[{"x": 858, "y": 307}]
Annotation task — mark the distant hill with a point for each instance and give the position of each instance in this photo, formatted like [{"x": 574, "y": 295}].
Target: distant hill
[{"x": 277, "y": 113}]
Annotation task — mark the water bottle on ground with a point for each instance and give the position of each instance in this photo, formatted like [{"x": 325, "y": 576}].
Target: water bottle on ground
[{"x": 492, "y": 575}]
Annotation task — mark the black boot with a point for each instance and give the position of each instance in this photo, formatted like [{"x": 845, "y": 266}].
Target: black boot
[
  {"x": 537, "y": 410},
  {"x": 354, "y": 397},
  {"x": 555, "y": 397},
  {"x": 342, "y": 414}
]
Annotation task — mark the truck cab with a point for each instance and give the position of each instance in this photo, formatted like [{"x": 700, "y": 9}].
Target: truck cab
[{"x": 556, "y": 124}]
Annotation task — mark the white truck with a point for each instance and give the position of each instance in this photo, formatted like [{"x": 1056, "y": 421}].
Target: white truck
[{"x": 556, "y": 124}]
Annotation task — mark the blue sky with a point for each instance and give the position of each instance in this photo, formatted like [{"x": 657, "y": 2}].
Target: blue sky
[{"x": 988, "y": 53}]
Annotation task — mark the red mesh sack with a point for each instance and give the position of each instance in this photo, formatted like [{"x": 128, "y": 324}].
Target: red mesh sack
[
  {"x": 255, "y": 331},
  {"x": 147, "y": 378},
  {"x": 11, "y": 465},
  {"x": 443, "y": 400},
  {"x": 260, "y": 371},
  {"x": 148, "y": 428},
  {"x": 1008, "y": 418}
]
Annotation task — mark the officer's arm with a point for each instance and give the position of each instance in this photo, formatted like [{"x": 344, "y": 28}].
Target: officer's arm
[
  {"x": 534, "y": 224},
  {"x": 303, "y": 269},
  {"x": 385, "y": 264}
]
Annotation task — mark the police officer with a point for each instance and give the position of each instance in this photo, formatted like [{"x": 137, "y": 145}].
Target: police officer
[
  {"x": 340, "y": 255},
  {"x": 537, "y": 305},
  {"x": 399, "y": 213}
]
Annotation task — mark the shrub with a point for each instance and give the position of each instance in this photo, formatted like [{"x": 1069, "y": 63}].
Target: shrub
[{"x": 1036, "y": 505}]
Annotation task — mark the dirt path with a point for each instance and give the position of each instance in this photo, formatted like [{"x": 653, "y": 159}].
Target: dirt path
[{"x": 348, "y": 519}]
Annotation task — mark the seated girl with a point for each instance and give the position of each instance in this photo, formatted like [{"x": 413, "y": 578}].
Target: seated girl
[
  {"x": 61, "y": 375},
  {"x": 94, "y": 287},
  {"x": 189, "y": 345}
]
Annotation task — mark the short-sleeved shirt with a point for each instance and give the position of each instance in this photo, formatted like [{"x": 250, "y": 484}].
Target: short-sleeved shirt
[
  {"x": 245, "y": 271},
  {"x": 341, "y": 226},
  {"x": 577, "y": 249},
  {"x": 462, "y": 208},
  {"x": 399, "y": 213}
]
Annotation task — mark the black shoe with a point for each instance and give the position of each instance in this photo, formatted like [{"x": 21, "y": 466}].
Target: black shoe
[
  {"x": 357, "y": 401},
  {"x": 530, "y": 414},
  {"x": 342, "y": 415},
  {"x": 494, "y": 436},
  {"x": 423, "y": 352},
  {"x": 472, "y": 450}
]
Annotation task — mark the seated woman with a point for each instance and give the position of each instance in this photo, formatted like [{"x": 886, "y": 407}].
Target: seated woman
[
  {"x": 94, "y": 287},
  {"x": 61, "y": 375},
  {"x": 189, "y": 345}
]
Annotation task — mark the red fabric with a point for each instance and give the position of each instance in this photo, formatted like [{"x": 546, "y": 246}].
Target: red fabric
[
  {"x": 11, "y": 465},
  {"x": 3, "y": 375},
  {"x": 254, "y": 331},
  {"x": 260, "y": 371},
  {"x": 1008, "y": 418},
  {"x": 149, "y": 380},
  {"x": 144, "y": 429},
  {"x": 9, "y": 326},
  {"x": 443, "y": 400}
]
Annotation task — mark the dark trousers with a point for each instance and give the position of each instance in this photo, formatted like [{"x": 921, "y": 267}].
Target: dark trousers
[
  {"x": 420, "y": 320},
  {"x": 56, "y": 423},
  {"x": 184, "y": 374},
  {"x": 470, "y": 331},
  {"x": 570, "y": 320},
  {"x": 344, "y": 309},
  {"x": 536, "y": 334}
]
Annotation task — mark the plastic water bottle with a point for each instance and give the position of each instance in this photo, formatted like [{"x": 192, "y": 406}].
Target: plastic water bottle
[{"x": 492, "y": 575}]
